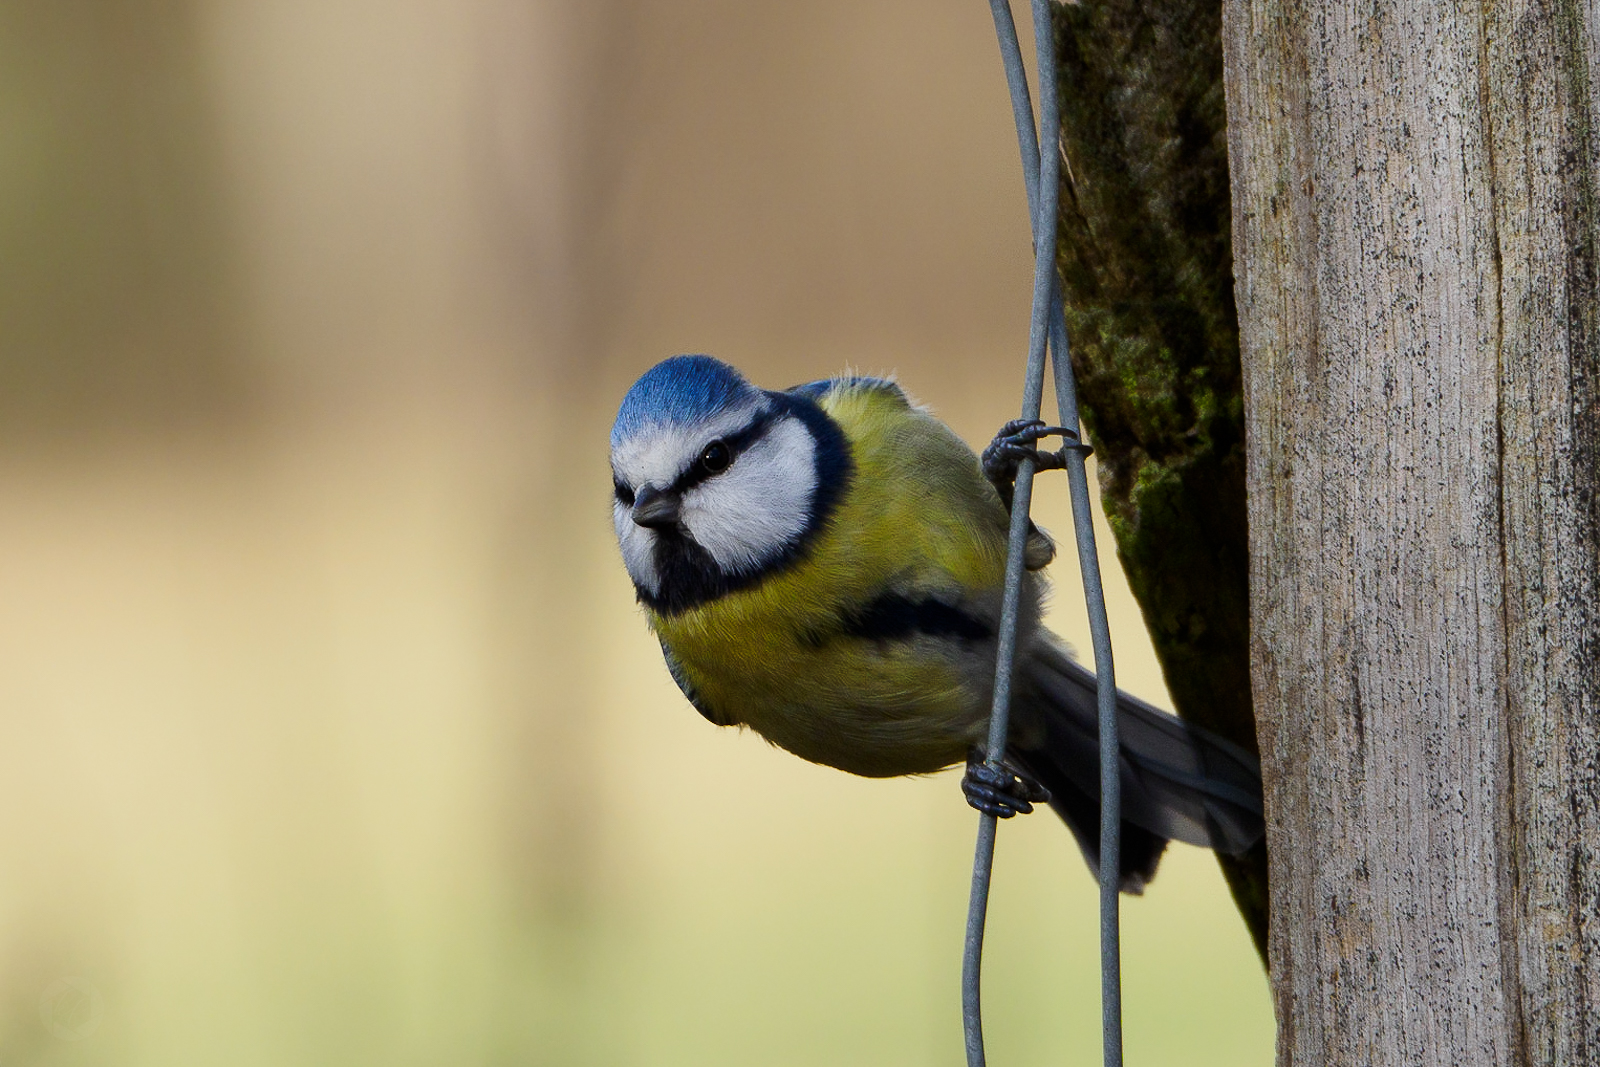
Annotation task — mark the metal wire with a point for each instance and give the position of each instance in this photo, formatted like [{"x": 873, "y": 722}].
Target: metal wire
[{"x": 1042, "y": 176}]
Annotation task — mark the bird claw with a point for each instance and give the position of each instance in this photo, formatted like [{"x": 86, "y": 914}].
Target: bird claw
[
  {"x": 1000, "y": 791},
  {"x": 1015, "y": 442}
]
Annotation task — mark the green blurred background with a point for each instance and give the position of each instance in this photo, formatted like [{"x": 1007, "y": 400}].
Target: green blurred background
[{"x": 329, "y": 732}]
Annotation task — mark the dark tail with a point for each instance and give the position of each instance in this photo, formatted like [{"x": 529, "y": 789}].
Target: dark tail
[{"x": 1179, "y": 782}]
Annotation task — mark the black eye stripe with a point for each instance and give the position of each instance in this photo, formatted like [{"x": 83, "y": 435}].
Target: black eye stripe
[
  {"x": 735, "y": 443},
  {"x": 690, "y": 577},
  {"x": 698, "y": 472}
]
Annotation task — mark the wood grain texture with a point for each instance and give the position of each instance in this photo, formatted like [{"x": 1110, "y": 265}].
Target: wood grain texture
[{"x": 1414, "y": 192}]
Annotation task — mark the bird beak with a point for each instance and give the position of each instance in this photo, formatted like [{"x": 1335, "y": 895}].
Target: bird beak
[{"x": 656, "y": 508}]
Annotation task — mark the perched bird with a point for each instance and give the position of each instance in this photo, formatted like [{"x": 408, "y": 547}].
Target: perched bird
[{"x": 825, "y": 566}]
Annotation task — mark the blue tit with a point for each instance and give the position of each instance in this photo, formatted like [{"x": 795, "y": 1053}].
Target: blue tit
[{"x": 825, "y": 564}]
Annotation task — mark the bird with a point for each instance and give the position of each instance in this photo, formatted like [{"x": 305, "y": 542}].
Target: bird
[{"x": 825, "y": 565}]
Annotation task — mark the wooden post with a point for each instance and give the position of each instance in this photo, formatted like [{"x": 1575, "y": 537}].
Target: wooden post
[{"x": 1415, "y": 240}]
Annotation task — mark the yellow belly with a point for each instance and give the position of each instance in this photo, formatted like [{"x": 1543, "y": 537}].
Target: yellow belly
[
  {"x": 918, "y": 519},
  {"x": 870, "y": 708}
]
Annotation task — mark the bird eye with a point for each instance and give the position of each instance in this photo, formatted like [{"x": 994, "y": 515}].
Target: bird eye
[
  {"x": 716, "y": 458},
  {"x": 624, "y": 494}
]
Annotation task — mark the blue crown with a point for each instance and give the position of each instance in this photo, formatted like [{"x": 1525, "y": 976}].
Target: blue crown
[{"x": 682, "y": 389}]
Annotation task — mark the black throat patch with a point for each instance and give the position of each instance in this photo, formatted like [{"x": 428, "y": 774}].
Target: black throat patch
[{"x": 689, "y": 576}]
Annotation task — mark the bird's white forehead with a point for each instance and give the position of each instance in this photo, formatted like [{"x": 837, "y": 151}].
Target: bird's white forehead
[{"x": 661, "y": 451}]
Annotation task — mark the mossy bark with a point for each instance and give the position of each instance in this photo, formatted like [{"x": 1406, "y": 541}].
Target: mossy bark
[{"x": 1146, "y": 262}]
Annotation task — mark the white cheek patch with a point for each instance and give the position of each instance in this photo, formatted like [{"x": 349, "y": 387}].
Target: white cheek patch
[
  {"x": 638, "y": 549},
  {"x": 748, "y": 515},
  {"x": 658, "y": 454}
]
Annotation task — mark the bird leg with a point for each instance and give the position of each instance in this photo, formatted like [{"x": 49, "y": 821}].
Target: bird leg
[
  {"x": 1015, "y": 442},
  {"x": 1018, "y": 439},
  {"x": 1000, "y": 791}
]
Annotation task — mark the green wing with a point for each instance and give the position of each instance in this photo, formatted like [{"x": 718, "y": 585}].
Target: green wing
[{"x": 675, "y": 669}]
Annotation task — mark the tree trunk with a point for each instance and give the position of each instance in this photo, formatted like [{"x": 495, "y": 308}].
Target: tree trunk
[
  {"x": 1147, "y": 272},
  {"x": 1415, "y": 244}
]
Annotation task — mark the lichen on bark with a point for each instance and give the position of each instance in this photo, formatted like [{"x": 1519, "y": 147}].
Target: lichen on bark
[{"x": 1144, "y": 251}]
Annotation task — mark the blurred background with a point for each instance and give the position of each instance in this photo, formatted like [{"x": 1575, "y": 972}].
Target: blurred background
[{"x": 329, "y": 731}]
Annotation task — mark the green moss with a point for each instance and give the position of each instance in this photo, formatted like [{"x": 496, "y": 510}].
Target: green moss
[{"x": 1145, "y": 257}]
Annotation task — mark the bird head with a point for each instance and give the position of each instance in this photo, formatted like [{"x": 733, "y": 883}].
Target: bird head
[{"x": 717, "y": 482}]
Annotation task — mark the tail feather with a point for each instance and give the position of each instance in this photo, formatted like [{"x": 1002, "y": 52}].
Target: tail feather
[
  {"x": 1140, "y": 850},
  {"x": 1179, "y": 781}
]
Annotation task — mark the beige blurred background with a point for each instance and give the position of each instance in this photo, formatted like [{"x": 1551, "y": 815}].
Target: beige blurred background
[{"x": 329, "y": 732}]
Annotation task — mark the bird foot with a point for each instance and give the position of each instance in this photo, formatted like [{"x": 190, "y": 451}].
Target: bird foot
[
  {"x": 1000, "y": 791},
  {"x": 1016, "y": 441}
]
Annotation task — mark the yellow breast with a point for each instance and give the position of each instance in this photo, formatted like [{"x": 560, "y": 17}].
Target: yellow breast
[{"x": 917, "y": 519}]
